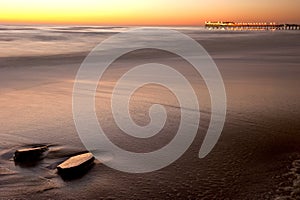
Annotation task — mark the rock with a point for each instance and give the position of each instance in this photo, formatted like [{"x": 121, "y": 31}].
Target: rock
[
  {"x": 30, "y": 154},
  {"x": 76, "y": 166}
]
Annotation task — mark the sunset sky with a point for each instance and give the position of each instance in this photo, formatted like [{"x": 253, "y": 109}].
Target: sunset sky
[{"x": 147, "y": 12}]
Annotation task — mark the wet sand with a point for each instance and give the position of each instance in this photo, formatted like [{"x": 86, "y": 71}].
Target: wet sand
[{"x": 255, "y": 158}]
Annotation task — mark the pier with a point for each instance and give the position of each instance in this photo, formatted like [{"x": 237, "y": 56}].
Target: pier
[{"x": 250, "y": 26}]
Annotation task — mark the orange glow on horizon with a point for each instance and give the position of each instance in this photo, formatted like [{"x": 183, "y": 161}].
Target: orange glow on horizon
[{"x": 145, "y": 12}]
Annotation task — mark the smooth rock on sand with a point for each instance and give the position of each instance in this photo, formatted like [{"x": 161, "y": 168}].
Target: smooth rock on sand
[
  {"x": 76, "y": 165},
  {"x": 30, "y": 154}
]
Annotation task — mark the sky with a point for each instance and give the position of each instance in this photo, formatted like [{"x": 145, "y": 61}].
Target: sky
[{"x": 147, "y": 12}]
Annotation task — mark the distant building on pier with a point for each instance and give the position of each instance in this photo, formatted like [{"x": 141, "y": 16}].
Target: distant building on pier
[{"x": 250, "y": 26}]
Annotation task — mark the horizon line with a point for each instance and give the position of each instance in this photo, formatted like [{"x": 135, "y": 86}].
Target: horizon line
[{"x": 121, "y": 24}]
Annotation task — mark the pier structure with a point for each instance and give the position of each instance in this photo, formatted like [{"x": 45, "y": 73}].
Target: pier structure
[{"x": 250, "y": 26}]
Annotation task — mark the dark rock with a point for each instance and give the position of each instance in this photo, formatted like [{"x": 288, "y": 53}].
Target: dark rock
[{"x": 30, "y": 154}]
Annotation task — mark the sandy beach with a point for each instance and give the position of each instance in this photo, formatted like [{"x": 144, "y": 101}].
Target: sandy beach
[{"x": 257, "y": 156}]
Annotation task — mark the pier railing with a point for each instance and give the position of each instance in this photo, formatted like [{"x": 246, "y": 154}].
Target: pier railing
[{"x": 250, "y": 26}]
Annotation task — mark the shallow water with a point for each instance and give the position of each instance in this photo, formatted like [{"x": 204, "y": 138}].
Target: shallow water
[{"x": 258, "y": 146}]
